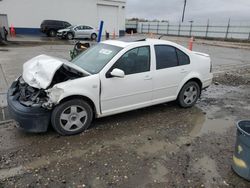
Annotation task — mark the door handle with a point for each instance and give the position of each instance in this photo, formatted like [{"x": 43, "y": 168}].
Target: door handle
[{"x": 148, "y": 77}]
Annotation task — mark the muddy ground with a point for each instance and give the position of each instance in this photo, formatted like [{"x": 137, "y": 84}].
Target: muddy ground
[{"x": 160, "y": 146}]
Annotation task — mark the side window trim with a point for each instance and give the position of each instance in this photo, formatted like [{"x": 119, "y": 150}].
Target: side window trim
[{"x": 112, "y": 67}]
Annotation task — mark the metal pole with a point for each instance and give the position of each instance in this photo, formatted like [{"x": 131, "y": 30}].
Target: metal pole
[
  {"x": 157, "y": 28},
  {"x": 100, "y": 31},
  {"x": 207, "y": 28},
  {"x": 249, "y": 37},
  {"x": 148, "y": 27},
  {"x": 137, "y": 23},
  {"x": 168, "y": 29},
  {"x": 228, "y": 26},
  {"x": 142, "y": 28},
  {"x": 184, "y": 10},
  {"x": 179, "y": 29},
  {"x": 191, "y": 26}
]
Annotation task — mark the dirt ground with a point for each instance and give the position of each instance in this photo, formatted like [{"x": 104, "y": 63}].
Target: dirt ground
[{"x": 160, "y": 146}]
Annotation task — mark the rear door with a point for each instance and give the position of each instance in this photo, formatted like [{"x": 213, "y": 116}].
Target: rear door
[
  {"x": 79, "y": 32},
  {"x": 87, "y": 31},
  {"x": 172, "y": 66}
]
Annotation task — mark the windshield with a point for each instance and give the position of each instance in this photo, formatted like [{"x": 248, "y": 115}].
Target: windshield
[{"x": 95, "y": 58}]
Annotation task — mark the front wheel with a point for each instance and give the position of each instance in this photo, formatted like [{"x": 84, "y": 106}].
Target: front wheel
[
  {"x": 72, "y": 117},
  {"x": 189, "y": 94},
  {"x": 70, "y": 36}
]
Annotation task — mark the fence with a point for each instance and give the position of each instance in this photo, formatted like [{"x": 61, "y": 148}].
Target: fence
[{"x": 235, "y": 30}]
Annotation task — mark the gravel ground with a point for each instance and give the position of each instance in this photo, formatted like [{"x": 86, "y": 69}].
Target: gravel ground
[{"x": 160, "y": 146}]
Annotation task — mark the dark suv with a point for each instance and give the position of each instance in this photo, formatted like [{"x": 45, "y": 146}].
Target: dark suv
[{"x": 50, "y": 27}]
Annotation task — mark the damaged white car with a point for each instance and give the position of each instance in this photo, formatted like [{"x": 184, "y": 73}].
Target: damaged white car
[{"x": 109, "y": 78}]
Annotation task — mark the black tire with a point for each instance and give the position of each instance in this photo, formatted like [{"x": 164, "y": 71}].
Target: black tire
[
  {"x": 70, "y": 36},
  {"x": 188, "y": 96},
  {"x": 93, "y": 36},
  {"x": 65, "y": 110},
  {"x": 52, "y": 33}
]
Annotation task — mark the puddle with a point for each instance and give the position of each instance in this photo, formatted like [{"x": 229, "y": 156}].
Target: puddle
[
  {"x": 155, "y": 147},
  {"x": 218, "y": 126}
]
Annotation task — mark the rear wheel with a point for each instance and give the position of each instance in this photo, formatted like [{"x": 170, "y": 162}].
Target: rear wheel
[
  {"x": 189, "y": 94},
  {"x": 72, "y": 117},
  {"x": 93, "y": 36}
]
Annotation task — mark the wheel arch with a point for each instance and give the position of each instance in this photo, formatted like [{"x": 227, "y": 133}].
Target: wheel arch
[
  {"x": 87, "y": 99},
  {"x": 70, "y": 32},
  {"x": 195, "y": 79}
]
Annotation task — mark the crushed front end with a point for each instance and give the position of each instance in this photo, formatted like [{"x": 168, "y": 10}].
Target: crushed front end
[
  {"x": 25, "y": 106},
  {"x": 31, "y": 98}
]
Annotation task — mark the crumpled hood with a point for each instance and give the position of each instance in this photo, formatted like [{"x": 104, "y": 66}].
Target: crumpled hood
[{"x": 39, "y": 71}]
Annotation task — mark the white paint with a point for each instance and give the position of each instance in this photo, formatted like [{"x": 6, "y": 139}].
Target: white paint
[
  {"x": 30, "y": 13},
  {"x": 115, "y": 95}
]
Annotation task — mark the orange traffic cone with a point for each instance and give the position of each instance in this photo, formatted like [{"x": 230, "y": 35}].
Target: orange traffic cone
[
  {"x": 12, "y": 31},
  {"x": 191, "y": 42}
]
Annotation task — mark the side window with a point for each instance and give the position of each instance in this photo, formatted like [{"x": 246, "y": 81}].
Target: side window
[
  {"x": 165, "y": 57},
  {"x": 58, "y": 23},
  {"x": 78, "y": 28},
  {"x": 134, "y": 61},
  {"x": 84, "y": 27},
  {"x": 182, "y": 57}
]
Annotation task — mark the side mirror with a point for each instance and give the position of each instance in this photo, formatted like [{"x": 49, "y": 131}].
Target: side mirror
[{"x": 117, "y": 73}]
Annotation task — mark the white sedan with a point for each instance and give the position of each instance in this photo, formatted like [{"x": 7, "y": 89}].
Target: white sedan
[
  {"x": 109, "y": 78},
  {"x": 78, "y": 32}
]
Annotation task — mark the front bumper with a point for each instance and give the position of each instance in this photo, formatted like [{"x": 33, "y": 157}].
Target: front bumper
[
  {"x": 61, "y": 35},
  {"x": 31, "y": 119}
]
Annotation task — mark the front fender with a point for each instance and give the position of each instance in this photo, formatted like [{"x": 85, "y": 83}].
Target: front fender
[{"x": 87, "y": 87}]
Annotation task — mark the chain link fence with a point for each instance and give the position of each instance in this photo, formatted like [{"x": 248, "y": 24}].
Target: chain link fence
[{"x": 228, "y": 30}]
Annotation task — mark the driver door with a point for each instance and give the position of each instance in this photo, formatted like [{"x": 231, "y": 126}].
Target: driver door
[{"x": 132, "y": 91}]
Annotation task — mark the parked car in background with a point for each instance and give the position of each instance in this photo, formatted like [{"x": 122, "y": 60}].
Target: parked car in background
[
  {"x": 109, "y": 78},
  {"x": 78, "y": 32},
  {"x": 50, "y": 27}
]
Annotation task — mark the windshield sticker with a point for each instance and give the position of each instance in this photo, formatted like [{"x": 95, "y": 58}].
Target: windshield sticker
[{"x": 105, "y": 51}]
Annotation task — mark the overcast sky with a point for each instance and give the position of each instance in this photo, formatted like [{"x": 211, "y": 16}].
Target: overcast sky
[{"x": 215, "y": 10}]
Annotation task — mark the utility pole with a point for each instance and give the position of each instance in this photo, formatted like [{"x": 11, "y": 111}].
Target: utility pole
[{"x": 184, "y": 9}]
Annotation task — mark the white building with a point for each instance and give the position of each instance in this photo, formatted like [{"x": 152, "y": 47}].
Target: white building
[{"x": 27, "y": 15}]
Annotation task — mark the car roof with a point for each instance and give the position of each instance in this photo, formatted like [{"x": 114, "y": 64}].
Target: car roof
[{"x": 143, "y": 41}]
